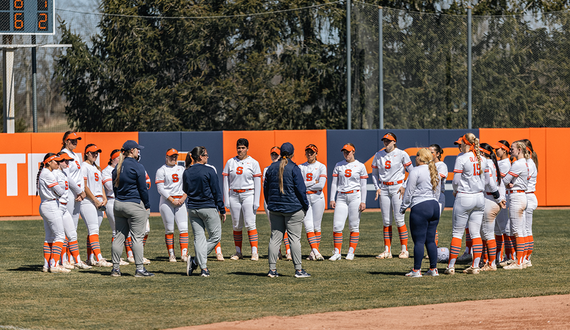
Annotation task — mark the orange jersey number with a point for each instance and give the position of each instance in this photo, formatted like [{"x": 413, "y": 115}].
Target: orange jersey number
[{"x": 476, "y": 169}]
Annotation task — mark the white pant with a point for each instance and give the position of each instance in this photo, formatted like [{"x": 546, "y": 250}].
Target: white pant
[
  {"x": 516, "y": 202},
  {"x": 502, "y": 223},
  {"x": 241, "y": 209},
  {"x": 53, "y": 223},
  {"x": 91, "y": 216},
  {"x": 390, "y": 202},
  {"x": 73, "y": 208},
  {"x": 468, "y": 209},
  {"x": 170, "y": 213},
  {"x": 347, "y": 204},
  {"x": 314, "y": 216},
  {"x": 488, "y": 224},
  {"x": 531, "y": 205},
  {"x": 110, "y": 213},
  {"x": 68, "y": 225}
]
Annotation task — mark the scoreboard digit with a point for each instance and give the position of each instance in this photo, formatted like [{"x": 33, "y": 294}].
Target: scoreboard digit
[{"x": 27, "y": 17}]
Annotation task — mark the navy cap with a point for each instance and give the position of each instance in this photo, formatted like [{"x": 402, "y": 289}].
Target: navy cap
[
  {"x": 287, "y": 149},
  {"x": 130, "y": 144}
]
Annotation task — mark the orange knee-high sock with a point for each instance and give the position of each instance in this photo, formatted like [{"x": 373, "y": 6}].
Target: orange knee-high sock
[
  {"x": 95, "y": 247},
  {"x": 89, "y": 249},
  {"x": 454, "y": 250},
  {"x": 47, "y": 253},
  {"x": 183, "y": 239},
  {"x": 312, "y": 240},
  {"x": 499, "y": 247},
  {"x": 520, "y": 249},
  {"x": 492, "y": 251},
  {"x": 477, "y": 247},
  {"x": 74, "y": 250},
  {"x": 403, "y": 232},
  {"x": 511, "y": 247},
  {"x": 144, "y": 239},
  {"x": 388, "y": 238},
  {"x": 238, "y": 240},
  {"x": 436, "y": 238},
  {"x": 287, "y": 245},
  {"x": 353, "y": 242},
  {"x": 169, "y": 240},
  {"x": 337, "y": 238},
  {"x": 468, "y": 241},
  {"x": 64, "y": 255},
  {"x": 485, "y": 255},
  {"x": 218, "y": 247},
  {"x": 530, "y": 246},
  {"x": 318, "y": 239},
  {"x": 253, "y": 239},
  {"x": 129, "y": 246},
  {"x": 55, "y": 253}
]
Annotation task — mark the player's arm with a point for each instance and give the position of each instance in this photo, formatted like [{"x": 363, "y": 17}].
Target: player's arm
[
  {"x": 376, "y": 176},
  {"x": 53, "y": 184},
  {"x": 159, "y": 181},
  {"x": 457, "y": 171},
  {"x": 321, "y": 181},
  {"x": 363, "y": 189},
  {"x": 411, "y": 188},
  {"x": 333, "y": 190},
  {"x": 226, "y": 184},
  {"x": 256, "y": 191}
]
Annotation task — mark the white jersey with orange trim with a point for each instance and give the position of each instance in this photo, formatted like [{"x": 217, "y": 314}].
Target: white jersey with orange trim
[
  {"x": 107, "y": 175},
  {"x": 391, "y": 167},
  {"x": 469, "y": 177},
  {"x": 313, "y": 173},
  {"x": 241, "y": 172},
  {"x": 49, "y": 188},
  {"x": 518, "y": 175},
  {"x": 533, "y": 173},
  {"x": 73, "y": 170},
  {"x": 504, "y": 166},
  {"x": 349, "y": 176},
  {"x": 492, "y": 173},
  {"x": 63, "y": 183},
  {"x": 93, "y": 177},
  {"x": 443, "y": 172},
  {"x": 169, "y": 180}
]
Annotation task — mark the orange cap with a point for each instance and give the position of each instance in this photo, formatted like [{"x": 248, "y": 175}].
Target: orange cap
[
  {"x": 73, "y": 136},
  {"x": 458, "y": 141},
  {"x": 276, "y": 150},
  {"x": 388, "y": 136},
  {"x": 50, "y": 158},
  {"x": 116, "y": 154},
  {"x": 348, "y": 148},
  {"x": 65, "y": 156},
  {"x": 171, "y": 152},
  {"x": 312, "y": 147},
  {"x": 499, "y": 145},
  {"x": 93, "y": 148},
  {"x": 485, "y": 151}
]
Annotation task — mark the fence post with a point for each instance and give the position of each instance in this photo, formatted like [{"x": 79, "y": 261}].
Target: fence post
[
  {"x": 348, "y": 69},
  {"x": 380, "y": 68},
  {"x": 469, "y": 64},
  {"x": 34, "y": 85}
]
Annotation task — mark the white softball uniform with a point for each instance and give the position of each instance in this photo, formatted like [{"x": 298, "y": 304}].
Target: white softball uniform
[
  {"x": 502, "y": 225},
  {"x": 74, "y": 175},
  {"x": 68, "y": 225},
  {"x": 443, "y": 173},
  {"x": 107, "y": 175},
  {"x": 516, "y": 195},
  {"x": 169, "y": 184},
  {"x": 532, "y": 201},
  {"x": 50, "y": 191},
  {"x": 349, "y": 180},
  {"x": 90, "y": 214},
  {"x": 242, "y": 189},
  {"x": 315, "y": 176},
  {"x": 492, "y": 209},
  {"x": 388, "y": 174}
]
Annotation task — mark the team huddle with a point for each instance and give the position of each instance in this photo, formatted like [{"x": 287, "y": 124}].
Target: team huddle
[{"x": 493, "y": 187}]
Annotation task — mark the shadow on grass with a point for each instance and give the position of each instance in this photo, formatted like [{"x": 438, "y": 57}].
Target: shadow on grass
[
  {"x": 388, "y": 273},
  {"x": 253, "y": 274},
  {"x": 196, "y": 273},
  {"x": 27, "y": 268}
]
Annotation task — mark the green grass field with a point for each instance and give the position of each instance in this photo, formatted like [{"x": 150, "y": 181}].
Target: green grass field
[{"x": 240, "y": 290}]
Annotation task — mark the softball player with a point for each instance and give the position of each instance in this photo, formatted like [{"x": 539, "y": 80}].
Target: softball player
[
  {"x": 516, "y": 182},
  {"x": 502, "y": 225},
  {"x": 349, "y": 180},
  {"x": 470, "y": 179},
  {"x": 242, "y": 188},
  {"x": 93, "y": 206},
  {"x": 74, "y": 174},
  {"x": 172, "y": 207},
  {"x": 443, "y": 172},
  {"x": 388, "y": 174},
  {"x": 315, "y": 176},
  {"x": 532, "y": 201},
  {"x": 50, "y": 191}
]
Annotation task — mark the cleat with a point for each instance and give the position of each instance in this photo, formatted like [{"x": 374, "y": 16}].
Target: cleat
[
  {"x": 115, "y": 272},
  {"x": 299, "y": 273},
  {"x": 82, "y": 265},
  {"x": 528, "y": 263},
  {"x": 335, "y": 257},
  {"x": 273, "y": 273},
  {"x": 450, "y": 271},
  {"x": 432, "y": 272},
  {"x": 172, "y": 258},
  {"x": 404, "y": 255},
  {"x": 184, "y": 258},
  {"x": 219, "y": 257},
  {"x": 146, "y": 261},
  {"x": 319, "y": 256},
  {"x": 59, "y": 269},
  {"x": 311, "y": 256},
  {"x": 103, "y": 263},
  {"x": 68, "y": 265},
  {"x": 414, "y": 273},
  {"x": 122, "y": 262},
  {"x": 45, "y": 269},
  {"x": 143, "y": 273},
  {"x": 236, "y": 256},
  {"x": 488, "y": 268},
  {"x": 91, "y": 262},
  {"x": 472, "y": 270},
  {"x": 514, "y": 265},
  {"x": 254, "y": 256},
  {"x": 506, "y": 263},
  {"x": 205, "y": 273},
  {"x": 385, "y": 255},
  {"x": 288, "y": 256},
  {"x": 131, "y": 260},
  {"x": 349, "y": 256},
  {"x": 465, "y": 257}
]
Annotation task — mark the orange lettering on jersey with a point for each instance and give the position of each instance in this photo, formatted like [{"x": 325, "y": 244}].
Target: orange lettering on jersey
[
  {"x": 309, "y": 176},
  {"x": 96, "y": 176},
  {"x": 348, "y": 173},
  {"x": 78, "y": 166},
  {"x": 239, "y": 170},
  {"x": 66, "y": 185},
  {"x": 175, "y": 178},
  {"x": 388, "y": 165}
]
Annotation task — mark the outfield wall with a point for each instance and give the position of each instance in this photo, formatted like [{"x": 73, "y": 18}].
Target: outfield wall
[{"x": 21, "y": 154}]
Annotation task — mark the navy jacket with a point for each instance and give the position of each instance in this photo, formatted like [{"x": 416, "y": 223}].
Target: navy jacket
[
  {"x": 295, "y": 196},
  {"x": 201, "y": 184},
  {"x": 132, "y": 183}
]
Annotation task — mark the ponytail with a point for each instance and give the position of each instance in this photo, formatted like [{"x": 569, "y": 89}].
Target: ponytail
[
  {"x": 425, "y": 156},
  {"x": 533, "y": 154},
  {"x": 491, "y": 155},
  {"x": 122, "y": 157},
  {"x": 282, "y": 164}
]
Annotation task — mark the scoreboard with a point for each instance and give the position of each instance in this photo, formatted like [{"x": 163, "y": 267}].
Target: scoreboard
[{"x": 27, "y": 17}]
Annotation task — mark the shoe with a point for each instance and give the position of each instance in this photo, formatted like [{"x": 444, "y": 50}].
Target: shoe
[
  {"x": 335, "y": 257},
  {"x": 288, "y": 256},
  {"x": 488, "y": 268},
  {"x": 319, "y": 256},
  {"x": 505, "y": 263},
  {"x": 172, "y": 258},
  {"x": 143, "y": 273},
  {"x": 103, "y": 263},
  {"x": 523, "y": 264},
  {"x": 432, "y": 272},
  {"x": 254, "y": 256},
  {"x": 122, "y": 262},
  {"x": 45, "y": 269},
  {"x": 301, "y": 273},
  {"x": 450, "y": 271},
  {"x": 472, "y": 270},
  {"x": 311, "y": 256},
  {"x": 273, "y": 273},
  {"x": 528, "y": 263},
  {"x": 131, "y": 260},
  {"x": 91, "y": 262},
  {"x": 404, "y": 255},
  {"x": 205, "y": 273},
  {"x": 465, "y": 257},
  {"x": 82, "y": 265},
  {"x": 191, "y": 266},
  {"x": 115, "y": 272},
  {"x": 414, "y": 273},
  {"x": 219, "y": 257},
  {"x": 514, "y": 265},
  {"x": 184, "y": 258},
  {"x": 68, "y": 265},
  {"x": 146, "y": 261},
  {"x": 349, "y": 256},
  {"x": 236, "y": 256},
  {"x": 59, "y": 269},
  {"x": 385, "y": 255}
]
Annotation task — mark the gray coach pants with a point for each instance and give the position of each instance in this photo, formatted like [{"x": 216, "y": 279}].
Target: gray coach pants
[
  {"x": 203, "y": 220},
  {"x": 131, "y": 217},
  {"x": 293, "y": 223}
]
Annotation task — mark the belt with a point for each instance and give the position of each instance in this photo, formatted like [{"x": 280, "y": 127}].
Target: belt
[
  {"x": 241, "y": 190},
  {"x": 530, "y": 192},
  {"x": 392, "y": 183},
  {"x": 349, "y": 192},
  {"x": 178, "y": 197},
  {"x": 310, "y": 192},
  {"x": 490, "y": 194},
  {"x": 515, "y": 191},
  {"x": 62, "y": 203},
  {"x": 99, "y": 196},
  {"x": 110, "y": 197}
]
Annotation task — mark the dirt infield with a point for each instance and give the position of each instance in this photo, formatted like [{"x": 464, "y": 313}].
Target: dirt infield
[{"x": 549, "y": 312}]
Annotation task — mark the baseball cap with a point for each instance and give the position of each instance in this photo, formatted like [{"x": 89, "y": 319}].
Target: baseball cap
[
  {"x": 458, "y": 141},
  {"x": 50, "y": 158},
  {"x": 287, "y": 149},
  {"x": 65, "y": 156},
  {"x": 312, "y": 147},
  {"x": 276, "y": 150},
  {"x": 130, "y": 144},
  {"x": 348, "y": 148},
  {"x": 93, "y": 148},
  {"x": 389, "y": 136},
  {"x": 73, "y": 136},
  {"x": 171, "y": 152}
]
